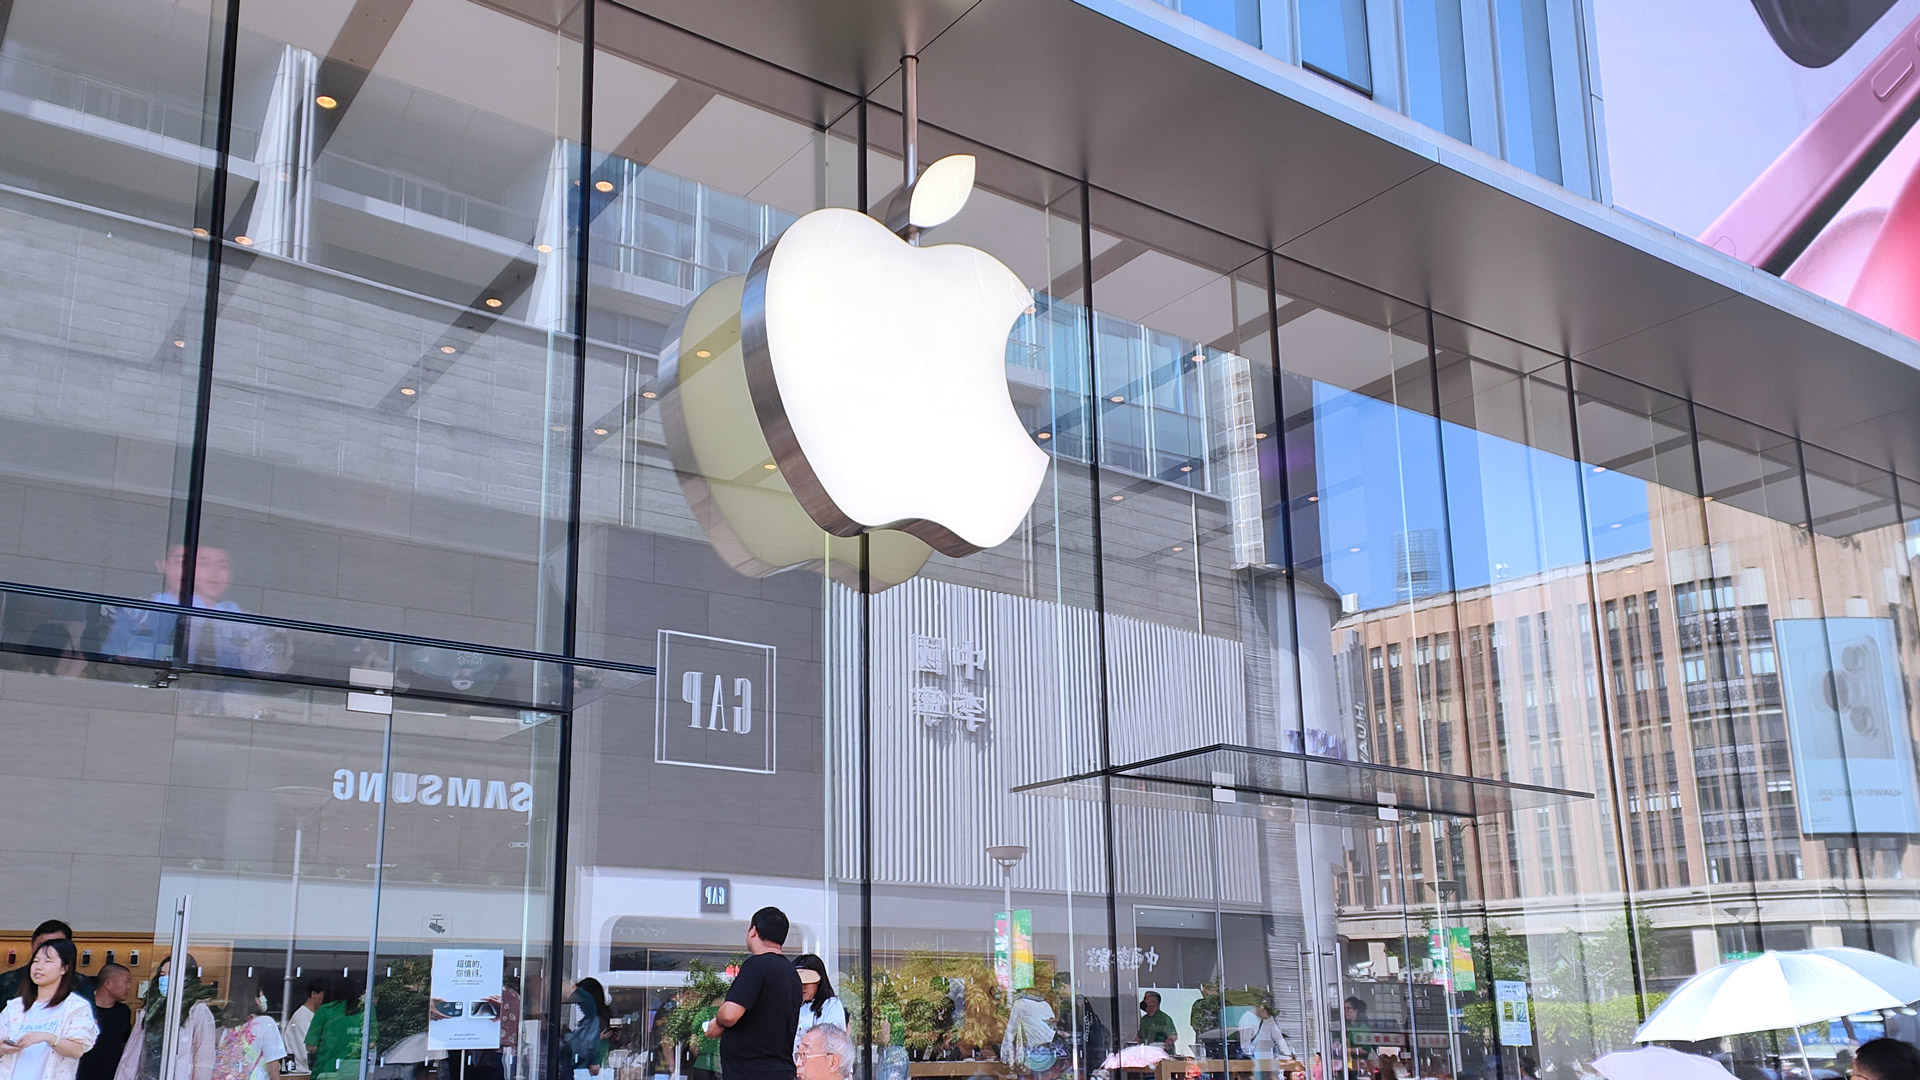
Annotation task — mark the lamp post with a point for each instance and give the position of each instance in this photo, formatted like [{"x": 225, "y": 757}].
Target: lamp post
[
  {"x": 1008, "y": 856},
  {"x": 303, "y": 804}
]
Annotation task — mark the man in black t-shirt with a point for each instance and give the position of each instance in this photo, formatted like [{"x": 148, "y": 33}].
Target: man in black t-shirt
[
  {"x": 115, "y": 1020},
  {"x": 757, "y": 1022}
]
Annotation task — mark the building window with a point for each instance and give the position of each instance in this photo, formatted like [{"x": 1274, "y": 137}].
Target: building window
[
  {"x": 1333, "y": 41},
  {"x": 1526, "y": 87},
  {"x": 1436, "y": 55},
  {"x": 1241, "y": 18}
]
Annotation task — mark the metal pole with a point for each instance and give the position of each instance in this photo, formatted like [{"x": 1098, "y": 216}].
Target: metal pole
[
  {"x": 910, "y": 115},
  {"x": 176, "y": 963},
  {"x": 293, "y": 924},
  {"x": 1006, "y": 876}
]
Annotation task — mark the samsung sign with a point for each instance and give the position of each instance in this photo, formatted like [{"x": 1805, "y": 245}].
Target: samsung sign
[{"x": 432, "y": 789}]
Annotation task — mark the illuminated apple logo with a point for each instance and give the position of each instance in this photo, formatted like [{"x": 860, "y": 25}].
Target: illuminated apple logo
[
  {"x": 728, "y": 474},
  {"x": 878, "y": 370}
]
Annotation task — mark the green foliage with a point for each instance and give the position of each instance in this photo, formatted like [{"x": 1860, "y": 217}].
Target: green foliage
[
  {"x": 912, "y": 1005},
  {"x": 1205, "y": 1015},
  {"x": 400, "y": 1000},
  {"x": 696, "y": 1003}
]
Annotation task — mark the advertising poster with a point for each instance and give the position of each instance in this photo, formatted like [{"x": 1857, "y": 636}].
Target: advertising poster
[
  {"x": 1847, "y": 721},
  {"x": 1013, "y": 956},
  {"x": 1781, "y": 132},
  {"x": 1510, "y": 1007},
  {"x": 463, "y": 1012}
]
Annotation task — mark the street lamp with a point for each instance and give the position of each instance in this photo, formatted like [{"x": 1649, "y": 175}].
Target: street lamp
[
  {"x": 1008, "y": 856},
  {"x": 303, "y": 805}
]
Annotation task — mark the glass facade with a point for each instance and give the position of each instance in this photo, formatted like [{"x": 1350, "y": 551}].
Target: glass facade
[{"x": 1353, "y": 671}]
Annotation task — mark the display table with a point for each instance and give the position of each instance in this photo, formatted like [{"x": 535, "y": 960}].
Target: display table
[
  {"x": 1175, "y": 1068},
  {"x": 958, "y": 1068}
]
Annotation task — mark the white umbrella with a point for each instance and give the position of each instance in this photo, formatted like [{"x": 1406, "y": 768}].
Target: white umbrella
[
  {"x": 1658, "y": 1063},
  {"x": 1777, "y": 990}
]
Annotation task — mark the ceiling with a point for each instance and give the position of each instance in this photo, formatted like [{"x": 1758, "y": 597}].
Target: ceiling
[{"x": 1161, "y": 110}]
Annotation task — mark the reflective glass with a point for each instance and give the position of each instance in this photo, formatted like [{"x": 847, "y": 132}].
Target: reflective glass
[{"x": 1333, "y": 41}]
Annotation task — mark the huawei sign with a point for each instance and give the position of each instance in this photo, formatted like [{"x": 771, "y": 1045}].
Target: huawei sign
[{"x": 878, "y": 371}]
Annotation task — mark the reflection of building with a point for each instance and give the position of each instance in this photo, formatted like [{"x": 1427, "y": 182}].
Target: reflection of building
[{"x": 1677, "y": 707}]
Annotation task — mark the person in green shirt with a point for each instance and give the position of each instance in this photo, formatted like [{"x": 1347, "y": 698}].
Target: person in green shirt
[
  {"x": 1156, "y": 1027},
  {"x": 333, "y": 1039}
]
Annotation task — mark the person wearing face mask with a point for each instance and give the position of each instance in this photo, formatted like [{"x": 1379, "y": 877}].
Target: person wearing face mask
[
  {"x": 48, "y": 1027},
  {"x": 252, "y": 1048},
  {"x": 199, "y": 1036}
]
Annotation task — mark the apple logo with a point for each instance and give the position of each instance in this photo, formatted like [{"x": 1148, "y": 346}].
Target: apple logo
[
  {"x": 878, "y": 370},
  {"x": 721, "y": 460}
]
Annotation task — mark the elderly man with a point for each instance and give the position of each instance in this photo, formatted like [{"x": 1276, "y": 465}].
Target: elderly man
[{"x": 825, "y": 1053}]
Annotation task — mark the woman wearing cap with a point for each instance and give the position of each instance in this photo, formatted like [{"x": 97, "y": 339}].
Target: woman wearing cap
[{"x": 818, "y": 1003}]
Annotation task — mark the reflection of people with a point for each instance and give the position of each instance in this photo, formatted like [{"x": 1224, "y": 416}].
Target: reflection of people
[
  {"x": 295, "y": 1033},
  {"x": 140, "y": 634},
  {"x": 1261, "y": 1038},
  {"x": 48, "y": 1027},
  {"x": 1886, "y": 1059},
  {"x": 755, "y": 1024},
  {"x": 825, "y": 1052},
  {"x": 1156, "y": 1027},
  {"x": 113, "y": 1018},
  {"x": 194, "y": 1050},
  {"x": 252, "y": 1048},
  {"x": 1027, "y": 1045},
  {"x": 335, "y": 1038},
  {"x": 818, "y": 1003},
  {"x": 586, "y": 1042}
]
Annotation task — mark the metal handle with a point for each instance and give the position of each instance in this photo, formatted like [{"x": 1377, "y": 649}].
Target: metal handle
[{"x": 170, "y": 1038}]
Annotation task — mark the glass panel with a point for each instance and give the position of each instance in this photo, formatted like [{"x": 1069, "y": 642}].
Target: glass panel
[
  {"x": 106, "y": 117},
  {"x": 264, "y": 814},
  {"x": 1436, "y": 66},
  {"x": 1526, "y": 86},
  {"x": 1333, "y": 41},
  {"x": 1241, "y": 18},
  {"x": 392, "y": 421}
]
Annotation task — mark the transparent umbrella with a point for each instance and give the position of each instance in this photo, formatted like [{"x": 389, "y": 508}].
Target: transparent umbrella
[{"x": 1777, "y": 990}]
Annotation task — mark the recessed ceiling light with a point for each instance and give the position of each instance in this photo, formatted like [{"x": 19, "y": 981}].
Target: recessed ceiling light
[
  {"x": 543, "y": 248},
  {"x": 198, "y": 231},
  {"x": 1117, "y": 498},
  {"x": 1178, "y": 547},
  {"x": 1198, "y": 356},
  {"x": 1615, "y": 525},
  {"x": 1186, "y": 468},
  {"x": 179, "y": 343},
  {"x": 448, "y": 349},
  {"x": 1353, "y": 550},
  {"x": 1313, "y": 498},
  {"x": 408, "y": 391},
  {"x": 1031, "y": 309},
  {"x": 558, "y": 429},
  {"x": 243, "y": 241},
  {"x": 603, "y": 185},
  {"x": 648, "y": 394},
  {"x": 1629, "y": 569},
  {"x": 1046, "y": 435},
  {"x": 1599, "y": 468},
  {"x": 493, "y": 301},
  {"x": 326, "y": 101},
  {"x": 1707, "y": 499},
  {"x": 599, "y": 431},
  {"x": 703, "y": 353},
  {"x": 1260, "y": 435},
  {"x": 1117, "y": 398},
  {"x": 769, "y": 465}
]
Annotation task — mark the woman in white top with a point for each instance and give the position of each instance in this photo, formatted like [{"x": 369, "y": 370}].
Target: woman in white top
[
  {"x": 44, "y": 1031},
  {"x": 818, "y": 1003}
]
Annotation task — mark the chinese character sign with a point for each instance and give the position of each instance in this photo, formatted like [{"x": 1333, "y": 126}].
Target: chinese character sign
[
  {"x": 1126, "y": 958},
  {"x": 463, "y": 1008},
  {"x": 949, "y": 682}
]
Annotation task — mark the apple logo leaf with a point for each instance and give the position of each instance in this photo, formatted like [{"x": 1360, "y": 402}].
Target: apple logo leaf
[{"x": 935, "y": 198}]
